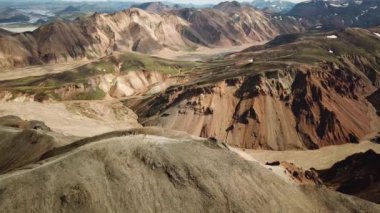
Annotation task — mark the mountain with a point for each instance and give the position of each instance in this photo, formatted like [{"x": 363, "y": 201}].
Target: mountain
[
  {"x": 236, "y": 99},
  {"x": 23, "y": 16},
  {"x": 277, "y": 6},
  {"x": 356, "y": 175},
  {"x": 16, "y": 152},
  {"x": 24, "y": 13},
  {"x": 340, "y": 13},
  {"x": 174, "y": 108},
  {"x": 230, "y": 6},
  {"x": 118, "y": 75},
  {"x": 225, "y": 98},
  {"x": 4, "y": 32},
  {"x": 228, "y": 26},
  {"x": 12, "y": 15},
  {"x": 156, "y": 7},
  {"x": 68, "y": 9},
  {"x": 117, "y": 171},
  {"x": 299, "y": 91},
  {"x": 141, "y": 31}
]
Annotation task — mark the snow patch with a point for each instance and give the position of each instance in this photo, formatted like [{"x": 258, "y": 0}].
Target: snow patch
[
  {"x": 377, "y": 34},
  {"x": 332, "y": 36},
  {"x": 339, "y": 5}
]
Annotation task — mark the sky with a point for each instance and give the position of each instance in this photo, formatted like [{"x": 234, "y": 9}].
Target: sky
[
  {"x": 174, "y": 1},
  {"x": 205, "y": 1},
  {"x": 187, "y": 1}
]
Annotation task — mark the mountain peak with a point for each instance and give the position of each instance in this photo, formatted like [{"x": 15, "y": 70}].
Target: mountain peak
[
  {"x": 229, "y": 6},
  {"x": 156, "y": 7}
]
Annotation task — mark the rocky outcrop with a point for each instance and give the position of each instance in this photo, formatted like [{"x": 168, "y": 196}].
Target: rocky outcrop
[{"x": 17, "y": 122}]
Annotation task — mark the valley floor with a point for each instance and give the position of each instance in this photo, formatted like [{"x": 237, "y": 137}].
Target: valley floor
[{"x": 202, "y": 53}]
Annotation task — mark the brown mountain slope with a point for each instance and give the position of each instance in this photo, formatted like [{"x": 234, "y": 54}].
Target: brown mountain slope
[
  {"x": 141, "y": 31},
  {"x": 23, "y": 142},
  {"x": 297, "y": 92},
  {"x": 244, "y": 25},
  {"x": 21, "y": 147},
  {"x": 154, "y": 170},
  {"x": 4, "y": 32},
  {"x": 358, "y": 175},
  {"x": 118, "y": 75}
]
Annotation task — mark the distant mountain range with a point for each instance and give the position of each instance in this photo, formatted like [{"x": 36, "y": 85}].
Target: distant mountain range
[
  {"x": 156, "y": 7},
  {"x": 167, "y": 26},
  {"x": 278, "y": 6},
  {"x": 134, "y": 29},
  {"x": 340, "y": 13},
  {"x": 337, "y": 13},
  {"x": 13, "y": 15}
]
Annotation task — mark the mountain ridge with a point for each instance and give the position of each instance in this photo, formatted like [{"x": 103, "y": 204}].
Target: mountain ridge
[
  {"x": 340, "y": 13},
  {"x": 141, "y": 31}
]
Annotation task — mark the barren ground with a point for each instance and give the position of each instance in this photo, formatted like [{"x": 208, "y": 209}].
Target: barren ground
[
  {"x": 319, "y": 159},
  {"x": 75, "y": 118},
  {"x": 202, "y": 53}
]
